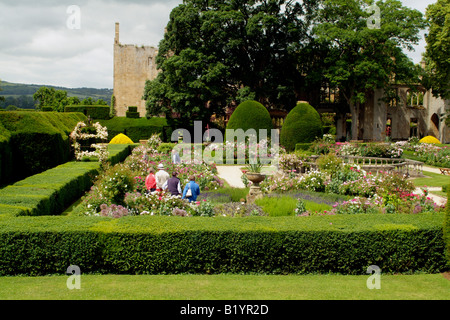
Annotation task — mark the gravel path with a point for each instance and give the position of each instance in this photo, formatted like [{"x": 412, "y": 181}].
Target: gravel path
[{"x": 232, "y": 175}]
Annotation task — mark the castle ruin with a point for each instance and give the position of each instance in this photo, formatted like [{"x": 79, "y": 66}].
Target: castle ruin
[{"x": 133, "y": 65}]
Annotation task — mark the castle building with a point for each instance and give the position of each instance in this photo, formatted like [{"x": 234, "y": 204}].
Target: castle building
[{"x": 133, "y": 65}]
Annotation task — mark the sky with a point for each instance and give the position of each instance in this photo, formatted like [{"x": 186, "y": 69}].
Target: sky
[{"x": 70, "y": 43}]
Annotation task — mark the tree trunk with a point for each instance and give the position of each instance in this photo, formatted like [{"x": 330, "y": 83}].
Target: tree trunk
[{"x": 354, "y": 108}]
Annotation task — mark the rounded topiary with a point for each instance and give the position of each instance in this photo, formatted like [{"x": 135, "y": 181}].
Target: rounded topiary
[
  {"x": 251, "y": 114},
  {"x": 302, "y": 125},
  {"x": 121, "y": 139},
  {"x": 429, "y": 139}
]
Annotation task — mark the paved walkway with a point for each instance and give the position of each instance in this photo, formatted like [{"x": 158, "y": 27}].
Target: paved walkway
[
  {"x": 232, "y": 175},
  {"x": 437, "y": 199}
]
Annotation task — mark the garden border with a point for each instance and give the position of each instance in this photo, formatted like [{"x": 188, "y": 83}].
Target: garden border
[{"x": 169, "y": 245}]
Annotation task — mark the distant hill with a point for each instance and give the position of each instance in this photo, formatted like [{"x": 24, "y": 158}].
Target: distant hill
[{"x": 21, "y": 95}]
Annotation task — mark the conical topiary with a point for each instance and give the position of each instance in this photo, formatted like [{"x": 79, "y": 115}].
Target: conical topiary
[
  {"x": 302, "y": 125},
  {"x": 251, "y": 114},
  {"x": 121, "y": 139}
]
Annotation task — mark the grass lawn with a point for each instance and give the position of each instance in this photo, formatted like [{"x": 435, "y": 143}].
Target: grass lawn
[
  {"x": 227, "y": 287},
  {"x": 432, "y": 180}
]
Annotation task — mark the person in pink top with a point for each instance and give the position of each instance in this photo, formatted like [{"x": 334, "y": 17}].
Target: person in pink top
[{"x": 150, "y": 181}]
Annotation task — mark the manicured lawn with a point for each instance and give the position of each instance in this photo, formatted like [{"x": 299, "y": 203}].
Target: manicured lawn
[
  {"x": 432, "y": 180},
  {"x": 227, "y": 287}
]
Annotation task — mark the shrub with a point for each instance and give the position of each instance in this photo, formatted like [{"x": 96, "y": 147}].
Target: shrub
[
  {"x": 138, "y": 129},
  {"x": 329, "y": 163},
  {"x": 121, "y": 139},
  {"x": 50, "y": 192},
  {"x": 95, "y": 112},
  {"x": 266, "y": 245},
  {"x": 33, "y": 142},
  {"x": 302, "y": 125},
  {"x": 251, "y": 115},
  {"x": 429, "y": 139}
]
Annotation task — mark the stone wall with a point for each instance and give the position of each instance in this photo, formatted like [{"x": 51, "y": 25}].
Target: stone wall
[{"x": 133, "y": 65}]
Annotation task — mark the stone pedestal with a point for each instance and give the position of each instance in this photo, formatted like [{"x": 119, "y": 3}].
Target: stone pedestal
[{"x": 255, "y": 190}]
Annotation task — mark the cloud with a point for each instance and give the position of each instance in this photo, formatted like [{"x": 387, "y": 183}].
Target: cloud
[{"x": 37, "y": 47}]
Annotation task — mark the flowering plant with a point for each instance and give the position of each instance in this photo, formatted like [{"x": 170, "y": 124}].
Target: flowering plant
[{"x": 101, "y": 149}]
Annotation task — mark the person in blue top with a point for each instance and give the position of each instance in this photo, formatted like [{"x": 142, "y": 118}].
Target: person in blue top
[{"x": 195, "y": 190}]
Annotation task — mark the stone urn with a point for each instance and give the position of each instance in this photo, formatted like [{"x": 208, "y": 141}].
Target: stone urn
[
  {"x": 255, "y": 190},
  {"x": 255, "y": 177}
]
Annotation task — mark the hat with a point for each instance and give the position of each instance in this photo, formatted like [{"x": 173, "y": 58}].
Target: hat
[{"x": 160, "y": 166}]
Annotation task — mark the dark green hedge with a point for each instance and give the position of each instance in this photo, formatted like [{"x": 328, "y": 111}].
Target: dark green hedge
[
  {"x": 52, "y": 191},
  {"x": 250, "y": 115},
  {"x": 96, "y": 112},
  {"x": 302, "y": 125},
  {"x": 302, "y": 146},
  {"x": 32, "y": 142},
  {"x": 133, "y": 115},
  {"x": 155, "y": 245},
  {"x": 138, "y": 129}
]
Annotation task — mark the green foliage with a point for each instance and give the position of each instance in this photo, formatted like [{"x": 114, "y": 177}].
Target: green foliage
[
  {"x": 138, "y": 129},
  {"x": 437, "y": 70},
  {"x": 50, "y": 192},
  {"x": 303, "y": 146},
  {"x": 447, "y": 228},
  {"x": 302, "y": 125},
  {"x": 250, "y": 115},
  {"x": 96, "y": 112},
  {"x": 360, "y": 58},
  {"x": 34, "y": 142},
  {"x": 265, "y": 245},
  {"x": 329, "y": 163},
  {"x": 252, "y": 52}
]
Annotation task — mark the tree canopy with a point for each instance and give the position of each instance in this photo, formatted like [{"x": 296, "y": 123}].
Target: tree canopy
[
  {"x": 437, "y": 55},
  {"x": 363, "y": 58},
  {"x": 58, "y": 99},
  {"x": 218, "y": 52}
]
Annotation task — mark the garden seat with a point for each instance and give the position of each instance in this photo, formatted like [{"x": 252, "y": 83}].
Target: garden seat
[{"x": 445, "y": 171}]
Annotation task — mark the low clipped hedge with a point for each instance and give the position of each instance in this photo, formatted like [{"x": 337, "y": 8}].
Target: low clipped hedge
[
  {"x": 52, "y": 191},
  {"x": 167, "y": 245},
  {"x": 100, "y": 112},
  {"x": 138, "y": 129}
]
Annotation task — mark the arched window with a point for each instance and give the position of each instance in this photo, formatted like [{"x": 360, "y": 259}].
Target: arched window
[{"x": 414, "y": 98}]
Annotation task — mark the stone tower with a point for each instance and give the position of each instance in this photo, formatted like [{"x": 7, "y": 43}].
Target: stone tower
[{"x": 133, "y": 65}]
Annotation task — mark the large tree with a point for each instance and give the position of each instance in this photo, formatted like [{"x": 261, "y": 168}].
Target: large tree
[
  {"x": 437, "y": 55},
  {"x": 221, "y": 51},
  {"x": 365, "y": 55}
]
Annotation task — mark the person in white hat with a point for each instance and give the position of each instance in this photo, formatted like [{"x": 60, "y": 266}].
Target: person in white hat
[{"x": 161, "y": 178}]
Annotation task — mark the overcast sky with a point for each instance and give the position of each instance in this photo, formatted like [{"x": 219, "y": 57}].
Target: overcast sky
[{"x": 41, "y": 42}]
